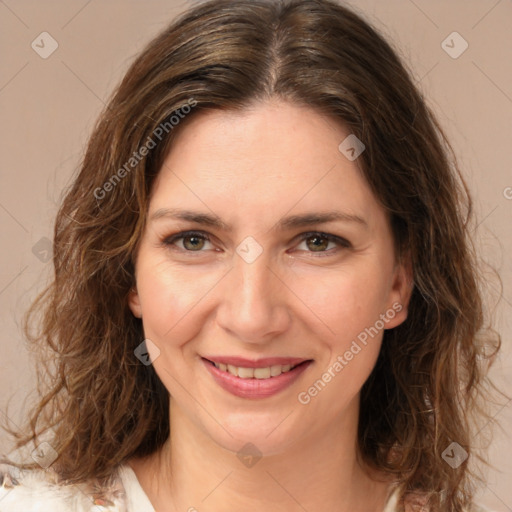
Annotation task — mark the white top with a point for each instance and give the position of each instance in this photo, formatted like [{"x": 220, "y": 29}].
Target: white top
[{"x": 37, "y": 491}]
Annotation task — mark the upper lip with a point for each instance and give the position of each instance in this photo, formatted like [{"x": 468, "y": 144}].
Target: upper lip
[{"x": 256, "y": 363}]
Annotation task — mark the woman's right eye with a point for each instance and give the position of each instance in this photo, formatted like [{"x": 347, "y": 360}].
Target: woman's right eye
[{"x": 192, "y": 241}]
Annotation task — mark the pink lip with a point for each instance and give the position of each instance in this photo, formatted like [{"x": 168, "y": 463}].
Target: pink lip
[
  {"x": 256, "y": 388},
  {"x": 258, "y": 363}
]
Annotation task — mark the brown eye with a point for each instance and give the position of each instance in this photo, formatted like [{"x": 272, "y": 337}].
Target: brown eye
[
  {"x": 195, "y": 242},
  {"x": 319, "y": 242},
  {"x": 192, "y": 241}
]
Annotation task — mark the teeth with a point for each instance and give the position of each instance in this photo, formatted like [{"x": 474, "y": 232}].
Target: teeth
[
  {"x": 243, "y": 373},
  {"x": 261, "y": 373},
  {"x": 275, "y": 370},
  {"x": 254, "y": 373}
]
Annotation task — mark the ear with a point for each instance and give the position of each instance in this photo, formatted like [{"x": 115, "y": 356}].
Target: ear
[
  {"x": 400, "y": 293},
  {"x": 134, "y": 302}
]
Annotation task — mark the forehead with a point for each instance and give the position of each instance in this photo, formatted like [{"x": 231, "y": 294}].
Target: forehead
[{"x": 272, "y": 155}]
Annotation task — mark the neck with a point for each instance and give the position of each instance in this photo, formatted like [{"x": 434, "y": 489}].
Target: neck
[{"x": 318, "y": 472}]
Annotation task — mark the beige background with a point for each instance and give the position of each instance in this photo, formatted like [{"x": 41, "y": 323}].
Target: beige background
[{"x": 48, "y": 107}]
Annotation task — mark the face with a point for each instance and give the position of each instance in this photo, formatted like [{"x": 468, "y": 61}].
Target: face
[{"x": 242, "y": 282}]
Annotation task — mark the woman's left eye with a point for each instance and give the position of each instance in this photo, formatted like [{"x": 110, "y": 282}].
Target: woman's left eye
[
  {"x": 321, "y": 241},
  {"x": 194, "y": 241}
]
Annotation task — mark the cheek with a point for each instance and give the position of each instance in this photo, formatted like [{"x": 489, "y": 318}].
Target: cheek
[
  {"x": 169, "y": 299},
  {"x": 350, "y": 307},
  {"x": 347, "y": 301}
]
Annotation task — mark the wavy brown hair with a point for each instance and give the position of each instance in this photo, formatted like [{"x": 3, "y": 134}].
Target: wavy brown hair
[{"x": 430, "y": 381}]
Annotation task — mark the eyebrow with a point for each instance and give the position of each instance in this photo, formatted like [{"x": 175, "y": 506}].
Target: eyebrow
[{"x": 286, "y": 223}]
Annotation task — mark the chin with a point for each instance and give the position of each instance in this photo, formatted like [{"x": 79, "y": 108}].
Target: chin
[{"x": 265, "y": 435}]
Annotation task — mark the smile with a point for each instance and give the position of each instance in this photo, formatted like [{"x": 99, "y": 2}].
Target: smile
[
  {"x": 255, "y": 381},
  {"x": 255, "y": 373}
]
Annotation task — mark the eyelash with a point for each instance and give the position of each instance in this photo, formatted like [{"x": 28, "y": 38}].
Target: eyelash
[{"x": 342, "y": 243}]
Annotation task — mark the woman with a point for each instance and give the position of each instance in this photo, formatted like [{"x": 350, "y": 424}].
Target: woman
[{"x": 265, "y": 294}]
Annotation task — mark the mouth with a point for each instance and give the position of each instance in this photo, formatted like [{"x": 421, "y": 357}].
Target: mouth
[
  {"x": 257, "y": 379},
  {"x": 256, "y": 370}
]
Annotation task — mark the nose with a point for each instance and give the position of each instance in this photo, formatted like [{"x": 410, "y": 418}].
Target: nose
[{"x": 254, "y": 302}]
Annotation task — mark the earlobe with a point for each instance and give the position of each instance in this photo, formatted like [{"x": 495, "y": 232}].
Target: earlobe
[{"x": 134, "y": 303}]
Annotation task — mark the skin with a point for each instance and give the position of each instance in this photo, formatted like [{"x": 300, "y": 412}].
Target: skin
[{"x": 296, "y": 299}]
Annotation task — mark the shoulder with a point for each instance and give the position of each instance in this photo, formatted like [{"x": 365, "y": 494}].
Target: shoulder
[
  {"x": 479, "y": 508},
  {"x": 39, "y": 490},
  {"x": 417, "y": 503}
]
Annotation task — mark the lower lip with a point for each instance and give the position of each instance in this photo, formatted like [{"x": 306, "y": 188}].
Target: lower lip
[{"x": 255, "y": 388}]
